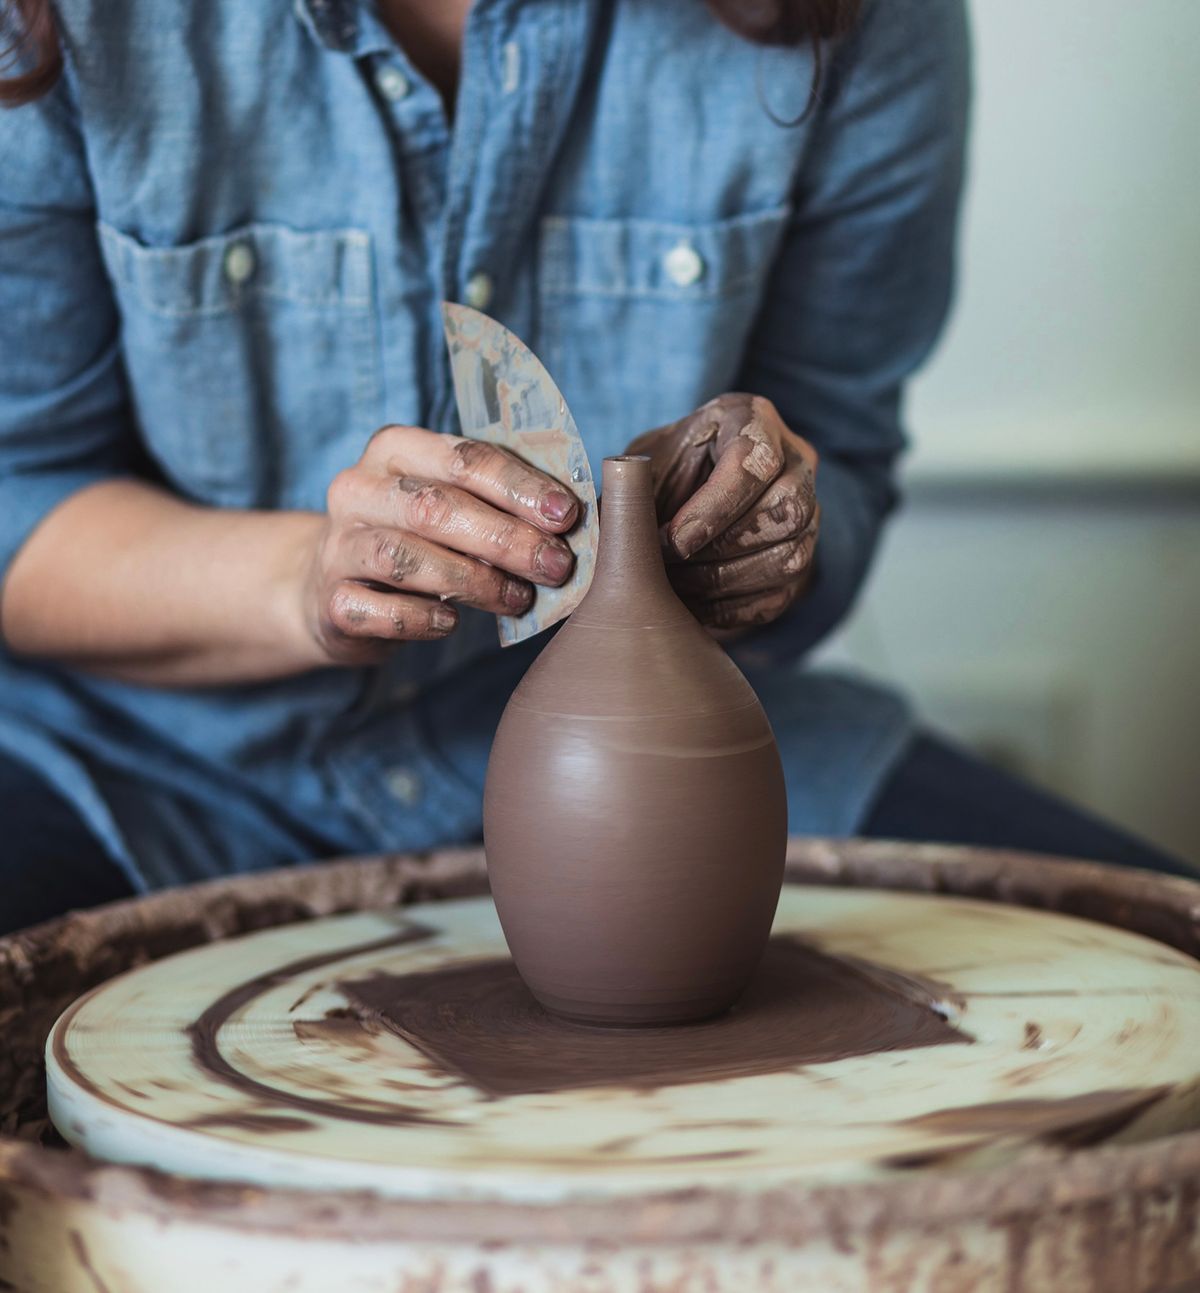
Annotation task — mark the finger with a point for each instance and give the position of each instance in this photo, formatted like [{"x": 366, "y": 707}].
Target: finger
[
  {"x": 778, "y": 566},
  {"x": 356, "y": 611},
  {"x": 740, "y": 476},
  {"x": 455, "y": 519},
  {"x": 681, "y": 455},
  {"x": 753, "y": 610},
  {"x": 787, "y": 510},
  {"x": 408, "y": 562},
  {"x": 488, "y": 471}
]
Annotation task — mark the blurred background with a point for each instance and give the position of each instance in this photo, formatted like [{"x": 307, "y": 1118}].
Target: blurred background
[{"x": 1039, "y": 594}]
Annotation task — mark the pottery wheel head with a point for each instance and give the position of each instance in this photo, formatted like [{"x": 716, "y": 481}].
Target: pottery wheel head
[{"x": 399, "y": 1052}]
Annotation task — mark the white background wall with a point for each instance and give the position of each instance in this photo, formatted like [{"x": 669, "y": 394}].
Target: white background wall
[
  {"x": 1040, "y": 595},
  {"x": 1076, "y": 345}
]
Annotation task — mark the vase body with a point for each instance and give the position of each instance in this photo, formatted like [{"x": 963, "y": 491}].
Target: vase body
[{"x": 635, "y": 818}]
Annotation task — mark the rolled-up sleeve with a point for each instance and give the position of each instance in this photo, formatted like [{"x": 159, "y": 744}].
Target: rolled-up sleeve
[
  {"x": 863, "y": 283},
  {"x": 64, "y": 413}
]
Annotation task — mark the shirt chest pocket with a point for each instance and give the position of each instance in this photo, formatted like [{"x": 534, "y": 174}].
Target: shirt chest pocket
[
  {"x": 640, "y": 321},
  {"x": 253, "y": 358}
]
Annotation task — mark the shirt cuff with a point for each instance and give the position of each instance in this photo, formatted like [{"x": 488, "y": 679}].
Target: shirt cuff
[{"x": 27, "y": 498}]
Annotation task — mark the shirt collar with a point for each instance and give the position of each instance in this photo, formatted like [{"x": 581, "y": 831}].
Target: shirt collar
[{"x": 345, "y": 26}]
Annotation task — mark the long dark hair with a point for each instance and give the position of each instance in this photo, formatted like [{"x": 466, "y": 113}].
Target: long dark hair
[
  {"x": 34, "y": 44},
  {"x": 787, "y": 22},
  {"x": 765, "y": 22}
]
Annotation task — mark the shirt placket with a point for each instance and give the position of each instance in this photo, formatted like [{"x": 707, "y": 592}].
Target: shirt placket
[
  {"x": 522, "y": 69},
  {"x": 472, "y": 196}
]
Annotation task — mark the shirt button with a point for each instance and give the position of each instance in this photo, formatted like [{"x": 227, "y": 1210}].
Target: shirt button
[
  {"x": 479, "y": 291},
  {"x": 239, "y": 263},
  {"x": 392, "y": 83},
  {"x": 512, "y": 67},
  {"x": 404, "y": 785},
  {"x": 684, "y": 264}
]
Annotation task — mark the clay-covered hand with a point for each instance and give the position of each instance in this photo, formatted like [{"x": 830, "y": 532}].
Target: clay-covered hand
[
  {"x": 735, "y": 490},
  {"x": 423, "y": 521}
]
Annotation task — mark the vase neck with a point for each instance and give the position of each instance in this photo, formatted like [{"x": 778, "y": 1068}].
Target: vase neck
[{"x": 629, "y": 564}]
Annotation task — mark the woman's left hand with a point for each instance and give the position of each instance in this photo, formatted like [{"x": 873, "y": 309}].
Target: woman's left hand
[{"x": 738, "y": 488}]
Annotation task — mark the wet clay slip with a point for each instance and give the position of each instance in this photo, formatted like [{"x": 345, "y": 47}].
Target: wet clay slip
[
  {"x": 635, "y": 816},
  {"x": 804, "y": 1007}
]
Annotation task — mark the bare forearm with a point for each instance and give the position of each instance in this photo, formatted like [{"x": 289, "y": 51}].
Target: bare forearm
[{"x": 126, "y": 580}]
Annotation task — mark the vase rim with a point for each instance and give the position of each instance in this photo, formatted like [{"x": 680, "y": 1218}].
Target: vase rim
[{"x": 628, "y": 478}]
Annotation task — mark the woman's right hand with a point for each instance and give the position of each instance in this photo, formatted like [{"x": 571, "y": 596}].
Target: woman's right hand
[{"x": 423, "y": 521}]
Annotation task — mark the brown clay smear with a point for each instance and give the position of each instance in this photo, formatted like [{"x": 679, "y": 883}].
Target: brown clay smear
[
  {"x": 260, "y": 1123},
  {"x": 43, "y": 970},
  {"x": 479, "y": 1021},
  {"x": 207, "y": 1055},
  {"x": 1073, "y": 1121},
  {"x": 206, "y": 1050}
]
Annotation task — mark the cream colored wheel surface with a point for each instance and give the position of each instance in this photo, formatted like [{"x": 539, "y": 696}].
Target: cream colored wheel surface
[{"x": 397, "y": 1052}]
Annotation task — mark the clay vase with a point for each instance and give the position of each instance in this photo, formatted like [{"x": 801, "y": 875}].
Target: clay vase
[{"x": 635, "y": 818}]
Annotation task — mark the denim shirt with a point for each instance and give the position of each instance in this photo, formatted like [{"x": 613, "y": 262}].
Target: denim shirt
[{"x": 224, "y": 240}]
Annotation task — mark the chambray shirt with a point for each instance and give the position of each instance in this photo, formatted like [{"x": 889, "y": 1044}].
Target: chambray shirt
[{"x": 224, "y": 239}]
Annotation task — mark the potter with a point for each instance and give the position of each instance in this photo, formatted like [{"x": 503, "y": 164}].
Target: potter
[{"x": 251, "y": 567}]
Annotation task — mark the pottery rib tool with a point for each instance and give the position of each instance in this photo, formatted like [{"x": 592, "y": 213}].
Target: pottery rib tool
[{"x": 505, "y": 396}]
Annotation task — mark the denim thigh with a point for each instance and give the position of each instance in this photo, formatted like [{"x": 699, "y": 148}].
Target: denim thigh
[{"x": 49, "y": 861}]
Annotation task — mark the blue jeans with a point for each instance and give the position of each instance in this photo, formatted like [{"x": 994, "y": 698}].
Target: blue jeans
[
  {"x": 939, "y": 792},
  {"x": 49, "y": 862}
]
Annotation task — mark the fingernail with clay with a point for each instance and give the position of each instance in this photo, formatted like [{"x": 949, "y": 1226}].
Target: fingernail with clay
[
  {"x": 516, "y": 595},
  {"x": 443, "y": 618},
  {"x": 557, "y": 506},
  {"x": 554, "y": 562},
  {"x": 690, "y": 538}
]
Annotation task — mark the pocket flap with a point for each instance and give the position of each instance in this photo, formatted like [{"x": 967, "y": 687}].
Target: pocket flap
[
  {"x": 581, "y": 256},
  {"x": 329, "y": 268}
]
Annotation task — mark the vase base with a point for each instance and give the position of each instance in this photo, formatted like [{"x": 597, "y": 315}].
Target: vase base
[{"x": 624, "y": 1014}]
